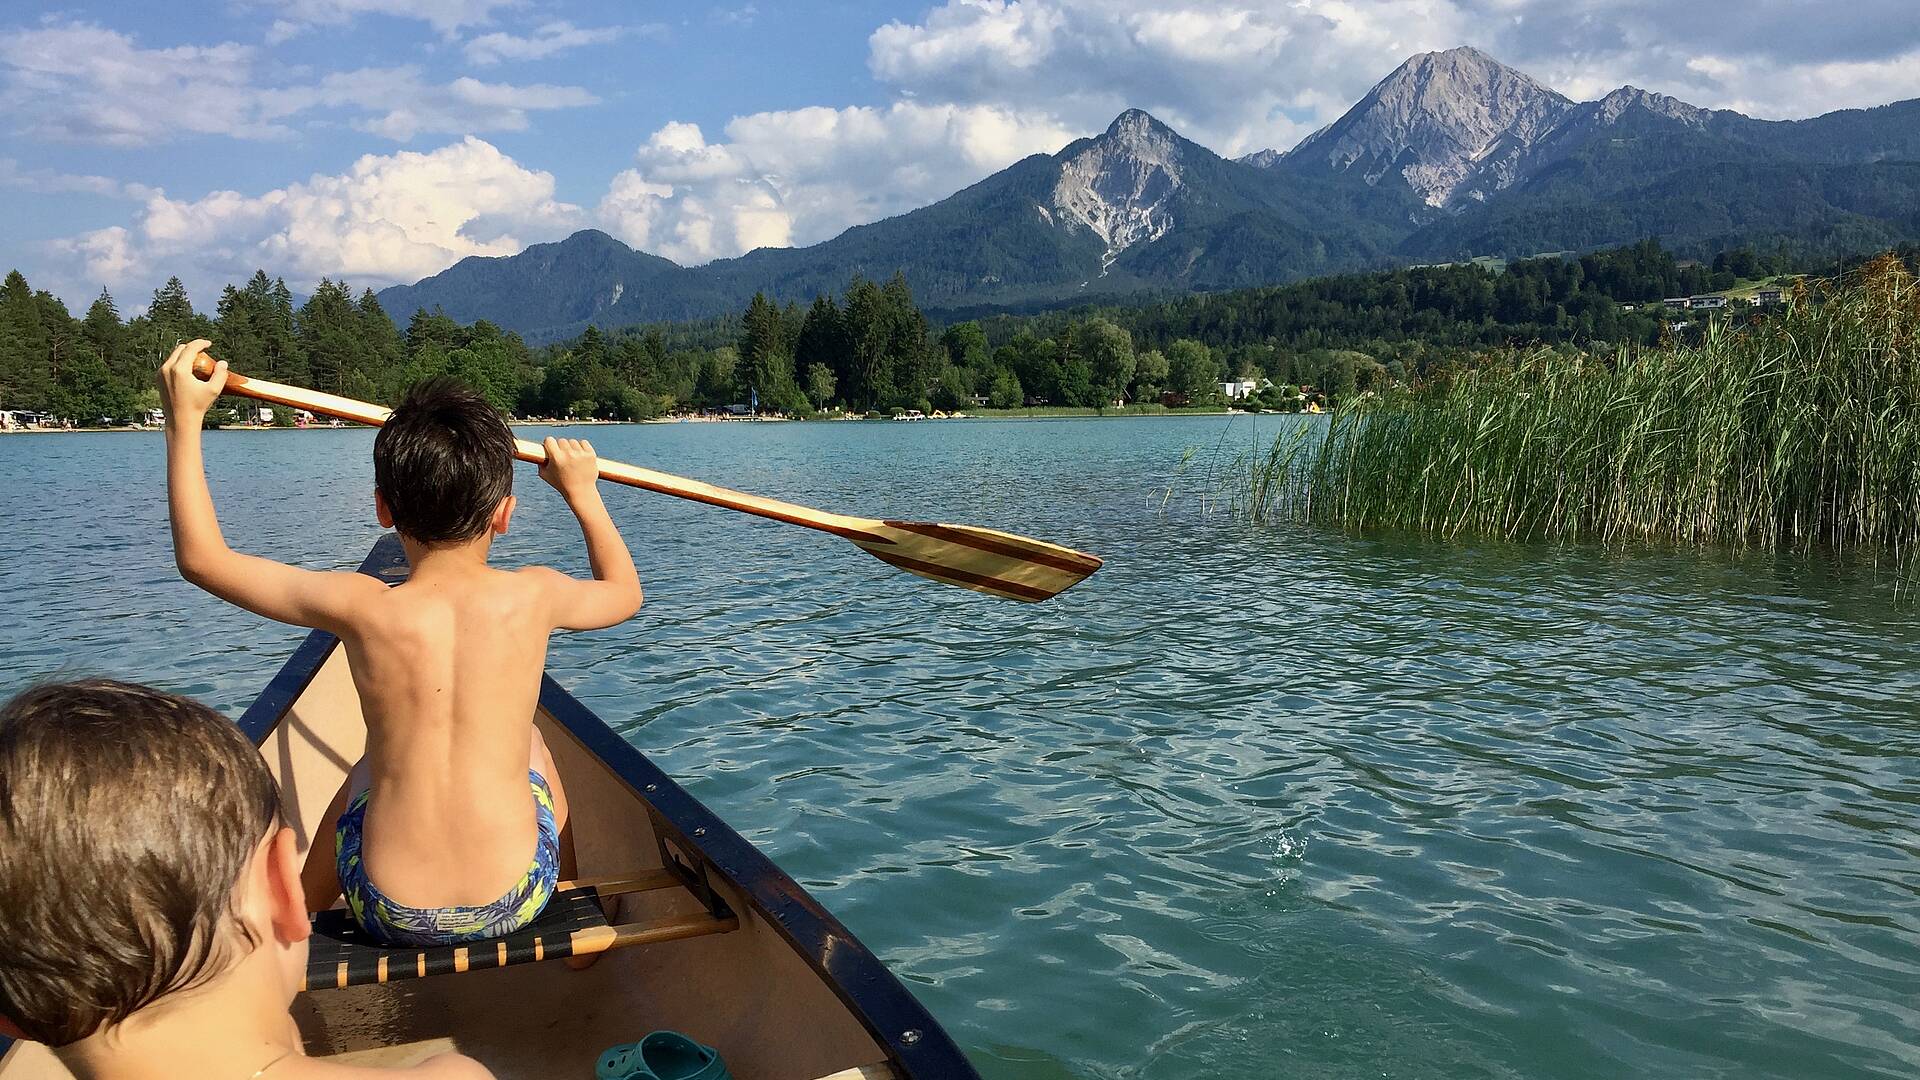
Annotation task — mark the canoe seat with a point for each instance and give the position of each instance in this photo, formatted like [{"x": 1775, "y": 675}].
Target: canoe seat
[{"x": 340, "y": 954}]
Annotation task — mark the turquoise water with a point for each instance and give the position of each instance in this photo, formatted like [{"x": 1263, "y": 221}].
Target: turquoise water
[{"x": 1248, "y": 803}]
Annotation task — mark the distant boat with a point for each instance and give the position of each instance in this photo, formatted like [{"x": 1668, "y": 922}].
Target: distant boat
[
  {"x": 713, "y": 941},
  {"x": 910, "y": 414}
]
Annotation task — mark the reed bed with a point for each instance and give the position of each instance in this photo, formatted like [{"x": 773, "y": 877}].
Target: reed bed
[{"x": 1797, "y": 432}]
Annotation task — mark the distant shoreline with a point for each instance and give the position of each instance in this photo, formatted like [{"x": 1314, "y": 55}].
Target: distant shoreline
[{"x": 1022, "y": 415}]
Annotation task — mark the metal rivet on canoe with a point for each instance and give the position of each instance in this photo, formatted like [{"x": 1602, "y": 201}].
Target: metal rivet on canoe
[
  {"x": 653, "y": 787},
  {"x": 910, "y": 1036},
  {"x": 701, "y": 831}
]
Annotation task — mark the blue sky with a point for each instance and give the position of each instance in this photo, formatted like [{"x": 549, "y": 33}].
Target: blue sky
[{"x": 382, "y": 140}]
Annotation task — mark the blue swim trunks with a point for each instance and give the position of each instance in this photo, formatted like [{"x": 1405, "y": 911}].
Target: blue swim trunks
[{"x": 398, "y": 924}]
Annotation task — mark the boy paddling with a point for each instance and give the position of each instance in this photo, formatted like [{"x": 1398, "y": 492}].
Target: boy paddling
[
  {"x": 151, "y": 922},
  {"x": 452, "y": 823}
]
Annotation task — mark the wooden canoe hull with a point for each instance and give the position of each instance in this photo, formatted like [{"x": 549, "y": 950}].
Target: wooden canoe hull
[{"x": 790, "y": 995}]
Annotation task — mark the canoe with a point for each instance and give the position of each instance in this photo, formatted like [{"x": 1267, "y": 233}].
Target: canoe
[{"x": 717, "y": 942}]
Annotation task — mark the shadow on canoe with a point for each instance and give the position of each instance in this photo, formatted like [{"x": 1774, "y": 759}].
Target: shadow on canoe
[{"x": 714, "y": 940}]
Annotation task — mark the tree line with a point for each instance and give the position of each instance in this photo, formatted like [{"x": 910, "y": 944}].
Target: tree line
[{"x": 871, "y": 347}]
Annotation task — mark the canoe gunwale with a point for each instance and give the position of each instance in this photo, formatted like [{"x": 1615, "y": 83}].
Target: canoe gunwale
[{"x": 916, "y": 1045}]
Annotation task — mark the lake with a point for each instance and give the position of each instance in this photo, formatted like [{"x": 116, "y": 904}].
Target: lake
[{"x": 1250, "y": 802}]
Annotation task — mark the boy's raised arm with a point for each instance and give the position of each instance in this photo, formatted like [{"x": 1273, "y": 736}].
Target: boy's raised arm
[
  {"x": 302, "y": 597},
  {"x": 614, "y": 593}
]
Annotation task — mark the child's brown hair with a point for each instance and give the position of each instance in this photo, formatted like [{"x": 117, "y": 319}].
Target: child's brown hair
[
  {"x": 127, "y": 817},
  {"x": 443, "y": 462}
]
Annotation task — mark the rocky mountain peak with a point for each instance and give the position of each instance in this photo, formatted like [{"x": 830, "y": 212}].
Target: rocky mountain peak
[
  {"x": 1120, "y": 185},
  {"x": 1440, "y": 119},
  {"x": 1609, "y": 109}
]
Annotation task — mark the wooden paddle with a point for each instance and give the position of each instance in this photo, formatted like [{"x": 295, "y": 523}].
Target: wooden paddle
[{"x": 984, "y": 560}]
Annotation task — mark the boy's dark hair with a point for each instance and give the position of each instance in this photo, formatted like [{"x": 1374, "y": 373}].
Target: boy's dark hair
[
  {"x": 443, "y": 462},
  {"x": 127, "y": 817}
]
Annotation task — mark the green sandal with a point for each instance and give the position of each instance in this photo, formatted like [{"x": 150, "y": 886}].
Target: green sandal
[{"x": 663, "y": 1055}]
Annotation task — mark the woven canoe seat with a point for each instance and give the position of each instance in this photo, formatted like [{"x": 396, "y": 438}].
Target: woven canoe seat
[{"x": 340, "y": 954}]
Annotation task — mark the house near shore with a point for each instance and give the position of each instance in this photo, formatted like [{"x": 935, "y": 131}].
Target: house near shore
[{"x": 1242, "y": 389}]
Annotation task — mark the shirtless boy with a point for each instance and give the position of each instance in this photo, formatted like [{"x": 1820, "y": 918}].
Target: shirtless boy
[
  {"x": 151, "y": 923},
  {"x": 452, "y": 824}
]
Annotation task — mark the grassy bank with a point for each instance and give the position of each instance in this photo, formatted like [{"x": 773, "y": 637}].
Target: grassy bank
[{"x": 1802, "y": 432}]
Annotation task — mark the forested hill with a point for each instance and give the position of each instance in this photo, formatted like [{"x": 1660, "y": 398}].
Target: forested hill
[{"x": 871, "y": 347}]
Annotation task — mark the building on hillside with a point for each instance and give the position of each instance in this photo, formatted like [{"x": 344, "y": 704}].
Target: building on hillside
[
  {"x": 1711, "y": 302},
  {"x": 1675, "y": 302},
  {"x": 1769, "y": 297}
]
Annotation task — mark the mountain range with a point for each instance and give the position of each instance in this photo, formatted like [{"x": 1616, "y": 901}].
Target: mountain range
[{"x": 1453, "y": 155}]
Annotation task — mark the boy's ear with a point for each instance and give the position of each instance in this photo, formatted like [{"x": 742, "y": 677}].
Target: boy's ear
[
  {"x": 380, "y": 511},
  {"x": 503, "y": 515},
  {"x": 289, "y": 900}
]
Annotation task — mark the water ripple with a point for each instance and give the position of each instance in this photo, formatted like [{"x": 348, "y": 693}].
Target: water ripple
[{"x": 1247, "y": 803}]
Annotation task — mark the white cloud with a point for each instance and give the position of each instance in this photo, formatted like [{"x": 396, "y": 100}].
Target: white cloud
[
  {"x": 1237, "y": 75},
  {"x": 402, "y": 104},
  {"x": 52, "y": 181},
  {"x": 802, "y": 176},
  {"x": 77, "y": 82},
  {"x": 548, "y": 40},
  {"x": 1234, "y": 76},
  {"x": 390, "y": 218},
  {"x": 447, "y": 16}
]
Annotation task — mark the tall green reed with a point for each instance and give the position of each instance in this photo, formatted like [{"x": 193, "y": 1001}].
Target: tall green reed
[{"x": 1800, "y": 431}]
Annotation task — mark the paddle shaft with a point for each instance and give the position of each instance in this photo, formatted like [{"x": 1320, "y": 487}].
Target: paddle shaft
[{"x": 361, "y": 412}]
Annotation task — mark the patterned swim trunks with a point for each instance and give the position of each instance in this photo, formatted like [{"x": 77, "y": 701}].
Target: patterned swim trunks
[{"x": 398, "y": 924}]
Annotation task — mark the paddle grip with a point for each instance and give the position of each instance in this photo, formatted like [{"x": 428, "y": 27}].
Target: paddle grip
[{"x": 203, "y": 370}]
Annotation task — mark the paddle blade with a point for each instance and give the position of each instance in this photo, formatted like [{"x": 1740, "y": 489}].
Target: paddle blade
[{"x": 984, "y": 560}]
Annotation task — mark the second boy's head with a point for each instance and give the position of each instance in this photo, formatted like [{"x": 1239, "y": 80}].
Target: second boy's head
[
  {"x": 142, "y": 859},
  {"x": 443, "y": 466}
]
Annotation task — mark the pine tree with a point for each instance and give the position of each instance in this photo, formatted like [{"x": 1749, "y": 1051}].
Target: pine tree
[
  {"x": 866, "y": 381},
  {"x": 911, "y": 364},
  {"x": 62, "y": 332},
  {"x": 327, "y": 332},
  {"x": 236, "y": 331},
  {"x": 25, "y": 382},
  {"x": 766, "y": 357},
  {"x": 172, "y": 314},
  {"x": 381, "y": 348},
  {"x": 103, "y": 334},
  {"x": 280, "y": 351},
  {"x": 432, "y": 328},
  {"x": 823, "y": 341}
]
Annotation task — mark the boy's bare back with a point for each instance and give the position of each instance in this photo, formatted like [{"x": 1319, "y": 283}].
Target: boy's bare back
[{"x": 448, "y": 668}]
